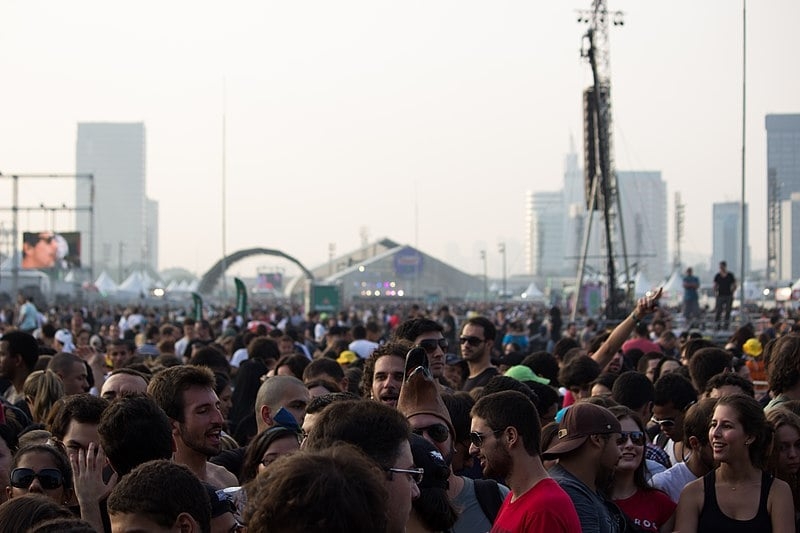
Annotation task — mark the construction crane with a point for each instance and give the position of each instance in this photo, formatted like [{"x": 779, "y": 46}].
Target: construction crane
[{"x": 600, "y": 175}]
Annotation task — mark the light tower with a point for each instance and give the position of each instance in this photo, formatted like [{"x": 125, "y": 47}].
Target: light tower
[{"x": 600, "y": 176}]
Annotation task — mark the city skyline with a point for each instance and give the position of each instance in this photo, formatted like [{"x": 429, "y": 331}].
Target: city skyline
[{"x": 425, "y": 124}]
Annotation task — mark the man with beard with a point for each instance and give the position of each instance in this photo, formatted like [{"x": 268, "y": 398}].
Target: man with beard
[
  {"x": 477, "y": 341},
  {"x": 587, "y": 451},
  {"x": 427, "y": 334},
  {"x": 186, "y": 394},
  {"x": 384, "y": 372},
  {"x": 419, "y": 401},
  {"x": 505, "y": 437}
]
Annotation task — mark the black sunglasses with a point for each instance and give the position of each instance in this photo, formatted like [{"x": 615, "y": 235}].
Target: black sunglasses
[
  {"x": 48, "y": 239},
  {"x": 429, "y": 345},
  {"x": 472, "y": 341},
  {"x": 49, "y": 478},
  {"x": 437, "y": 432},
  {"x": 477, "y": 438},
  {"x": 637, "y": 438}
]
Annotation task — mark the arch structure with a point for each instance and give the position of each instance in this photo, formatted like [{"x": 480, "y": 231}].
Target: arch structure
[{"x": 212, "y": 277}]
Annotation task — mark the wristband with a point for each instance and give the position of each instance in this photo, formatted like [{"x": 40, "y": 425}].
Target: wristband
[{"x": 635, "y": 318}]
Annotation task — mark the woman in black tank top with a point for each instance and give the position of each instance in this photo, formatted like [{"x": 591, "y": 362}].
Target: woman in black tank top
[{"x": 738, "y": 495}]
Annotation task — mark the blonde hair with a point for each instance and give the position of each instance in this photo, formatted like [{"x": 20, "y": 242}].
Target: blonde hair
[{"x": 42, "y": 389}]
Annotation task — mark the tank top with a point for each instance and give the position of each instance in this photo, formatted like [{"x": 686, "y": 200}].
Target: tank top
[{"x": 713, "y": 519}]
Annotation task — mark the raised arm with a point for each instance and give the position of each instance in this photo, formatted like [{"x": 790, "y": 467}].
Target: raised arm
[{"x": 644, "y": 306}]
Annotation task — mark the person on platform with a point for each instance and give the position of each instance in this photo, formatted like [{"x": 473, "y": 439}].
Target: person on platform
[
  {"x": 724, "y": 287},
  {"x": 691, "y": 301}
]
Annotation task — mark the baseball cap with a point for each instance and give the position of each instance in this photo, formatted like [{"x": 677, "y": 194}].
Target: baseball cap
[
  {"x": 65, "y": 337},
  {"x": 524, "y": 373},
  {"x": 452, "y": 359},
  {"x": 429, "y": 458},
  {"x": 580, "y": 421},
  {"x": 220, "y": 502}
]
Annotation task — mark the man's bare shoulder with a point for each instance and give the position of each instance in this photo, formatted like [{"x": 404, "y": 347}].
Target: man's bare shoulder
[{"x": 220, "y": 477}]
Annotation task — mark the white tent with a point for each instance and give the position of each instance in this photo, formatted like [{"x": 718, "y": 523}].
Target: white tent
[
  {"x": 533, "y": 294},
  {"x": 105, "y": 284},
  {"x": 136, "y": 283}
]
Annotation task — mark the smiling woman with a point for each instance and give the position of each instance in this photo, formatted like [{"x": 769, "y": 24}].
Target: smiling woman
[
  {"x": 723, "y": 499},
  {"x": 648, "y": 508}
]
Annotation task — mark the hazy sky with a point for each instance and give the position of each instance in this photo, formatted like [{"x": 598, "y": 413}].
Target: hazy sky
[{"x": 422, "y": 121}]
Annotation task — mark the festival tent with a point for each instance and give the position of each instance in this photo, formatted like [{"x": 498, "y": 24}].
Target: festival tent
[
  {"x": 105, "y": 284},
  {"x": 136, "y": 283},
  {"x": 533, "y": 294}
]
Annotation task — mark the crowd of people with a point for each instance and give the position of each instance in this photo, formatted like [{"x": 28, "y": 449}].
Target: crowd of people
[{"x": 393, "y": 420}]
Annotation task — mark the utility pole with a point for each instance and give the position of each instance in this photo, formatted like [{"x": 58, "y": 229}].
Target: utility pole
[
  {"x": 679, "y": 219},
  {"x": 485, "y": 277},
  {"x": 502, "y": 248}
]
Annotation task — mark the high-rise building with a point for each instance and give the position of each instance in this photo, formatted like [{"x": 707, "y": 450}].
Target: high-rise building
[
  {"x": 783, "y": 181},
  {"x": 783, "y": 153},
  {"x": 643, "y": 206},
  {"x": 545, "y": 233},
  {"x": 125, "y": 220},
  {"x": 789, "y": 265},
  {"x": 727, "y": 238}
]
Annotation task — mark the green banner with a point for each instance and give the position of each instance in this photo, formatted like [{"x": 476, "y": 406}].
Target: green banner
[
  {"x": 241, "y": 298},
  {"x": 198, "y": 306}
]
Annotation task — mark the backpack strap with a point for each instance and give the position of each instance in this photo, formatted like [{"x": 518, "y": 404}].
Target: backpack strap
[{"x": 489, "y": 498}]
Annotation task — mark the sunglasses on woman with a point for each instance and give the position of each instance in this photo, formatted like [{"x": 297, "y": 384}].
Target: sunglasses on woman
[
  {"x": 637, "y": 438},
  {"x": 49, "y": 478}
]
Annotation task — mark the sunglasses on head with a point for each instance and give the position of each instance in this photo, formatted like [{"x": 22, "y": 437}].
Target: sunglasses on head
[
  {"x": 472, "y": 341},
  {"x": 637, "y": 438},
  {"x": 437, "y": 432},
  {"x": 49, "y": 478},
  {"x": 429, "y": 345},
  {"x": 47, "y": 239}
]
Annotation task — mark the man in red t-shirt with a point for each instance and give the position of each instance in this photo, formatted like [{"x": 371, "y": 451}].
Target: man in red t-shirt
[{"x": 505, "y": 438}]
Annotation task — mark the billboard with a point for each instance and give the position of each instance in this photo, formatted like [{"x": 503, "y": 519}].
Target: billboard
[
  {"x": 45, "y": 250},
  {"x": 269, "y": 281}
]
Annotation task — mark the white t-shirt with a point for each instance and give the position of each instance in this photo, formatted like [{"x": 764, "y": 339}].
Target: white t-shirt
[
  {"x": 363, "y": 347},
  {"x": 239, "y": 356},
  {"x": 673, "y": 480}
]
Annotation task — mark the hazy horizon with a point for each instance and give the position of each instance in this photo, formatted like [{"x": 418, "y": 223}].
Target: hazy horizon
[{"x": 424, "y": 123}]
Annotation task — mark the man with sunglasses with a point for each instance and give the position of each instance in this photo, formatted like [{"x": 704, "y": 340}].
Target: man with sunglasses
[
  {"x": 674, "y": 394},
  {"x": 429, "y": 335},
  {"x": 505, "y": 438},
  {"x": 477, "y": 341},
  {"x": 39, "y": 250},
  {"x": 587, "y": 449},
  {"x": 422, "y": 405}
]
